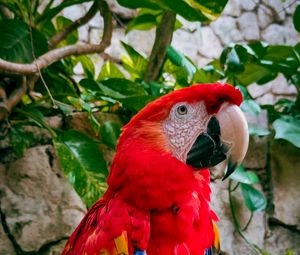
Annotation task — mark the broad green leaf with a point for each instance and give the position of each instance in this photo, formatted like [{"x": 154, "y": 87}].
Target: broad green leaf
[
  {"x": 192, "y": 10},
  {"x": 250, "y": 106},
  {"x": 110, "y": 132},
  {"x": 281, "y": 58},
  {"x": 288, "y": 128},
  {"x": 15, "y": 43},
  {"x": 88, "y": 66},
  {"x": 252, "y": 73},
  {"x": 83, "y": 163},
  {"x": 180, "y": 74},
  {"x": 180, "y": 60},
  {"x": 142, "y": 22},
  {"x": 254, "y": 199},
  {"x": 236, "y": 59},
  {"x": 110, "y": 70},
  {"x": 115, "y": 88},
  {"x": 210, "y": 73},
  {"x": 158, "y": 89},
  {"x": 61, "y": 23},
  {"x": 58, "y": 82},
  {"x": 89, "y": 84},
  {"x": 136, "y": 103},
  {"x": 20, "y": 139},
  {"x": 296, "y": 18},
  {"x": 247, "y": 177},
  {"x": 134, "y": 62},
  {"x": 65, "y": 108},
  {"x": 121, "y": 88},
  {"x": 257, "y": 130},
  {"x": 133, "y": 4},
  {"x": 96, "y": 126}
]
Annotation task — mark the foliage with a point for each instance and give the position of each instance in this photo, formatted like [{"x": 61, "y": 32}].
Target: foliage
[{"x": 124, "y": 91}]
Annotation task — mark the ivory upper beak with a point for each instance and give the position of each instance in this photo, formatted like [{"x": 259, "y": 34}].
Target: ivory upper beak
[{"x": 234, "y": 133}]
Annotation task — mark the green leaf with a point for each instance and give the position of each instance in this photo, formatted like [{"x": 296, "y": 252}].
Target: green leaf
[
  {"x": 87, "y": 65},
  {"x": 296, "y": 18},
  {"x": 48, "y": 14},
  {"x": 83, "y": 163},
  {"x": 288, "y": 128},
  {"x": 257, "y": 130},
  {"x": 179, "y": 74},
  {"x": 65, "y": 108},
  {"x": 192, "y": 10},
  {"x": 110, "y": 70},
  {"x": 94, "y": 123},
  {"x": 210, "y": 73},
  {"x": 281, "y": 58},
  {"x": 180, "y": 60},
  {"x": 15, "y": 43},
  {"x": 250, "y": 106},
  {"x": 121, "y": 88},
  {"x": 254, "y": 199},
  {"x": 142, "y": 22},
  {"x": 252, "y": 73},
  {"x": 134, "y": 62},
  {"x": 89, "y": 84},
  {"x": 133, "y": 4},
  {"x": 235, "y": 60},
  {"x": 20, "y": 139},
  {"x": 158, "y": 89},
  {"x": 247, "y": 177},
  {"x": 61, "y": 23},
  {"x": 110, "y": 132},
  {"x": 136, "y": 103}
]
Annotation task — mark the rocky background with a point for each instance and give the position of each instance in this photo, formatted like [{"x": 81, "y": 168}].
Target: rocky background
[{"x": 38, "y": 207}]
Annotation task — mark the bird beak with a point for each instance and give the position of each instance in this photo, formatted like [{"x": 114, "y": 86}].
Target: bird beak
[
  {"x": 226, "y": 138},
  {"x": 234, "y": 135}
]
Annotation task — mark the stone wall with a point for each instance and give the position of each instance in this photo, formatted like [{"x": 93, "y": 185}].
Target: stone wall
[{"x": 38, "y": 207}]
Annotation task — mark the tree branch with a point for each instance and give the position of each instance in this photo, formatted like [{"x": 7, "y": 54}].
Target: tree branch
[
  {"x": 60, "y": 53},
  {"x": 163, "y": 38},
  {"x": 56, "y": 39},
  {"x": 9, "y": 103}
]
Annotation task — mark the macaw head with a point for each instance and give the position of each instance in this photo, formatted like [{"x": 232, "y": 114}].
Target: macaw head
[{"x": 200, "y": 125}]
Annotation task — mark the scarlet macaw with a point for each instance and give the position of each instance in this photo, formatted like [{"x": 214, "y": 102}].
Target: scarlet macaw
[{"x": 157, "y": 202}]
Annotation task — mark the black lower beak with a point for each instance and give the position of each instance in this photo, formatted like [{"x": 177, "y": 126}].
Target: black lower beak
[{"x": 208, "y": 149}]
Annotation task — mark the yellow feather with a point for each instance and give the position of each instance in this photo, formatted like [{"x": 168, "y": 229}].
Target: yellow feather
[
  {"x": 217, "y": 237},
  {"x": 121, "y": 244}
]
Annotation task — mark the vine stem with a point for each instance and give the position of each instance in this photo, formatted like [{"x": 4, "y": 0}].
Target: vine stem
[
  {"x": 236, "y": 224},
  {"x": 34, "y": 57}
]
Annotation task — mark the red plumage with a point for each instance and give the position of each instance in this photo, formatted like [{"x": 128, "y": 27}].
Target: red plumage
[{"x": 159, "y": 201}]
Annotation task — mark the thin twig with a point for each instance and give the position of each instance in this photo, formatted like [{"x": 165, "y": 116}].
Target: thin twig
[
  {"x": 56, "y": 39},
  {"x": 34, "y": 57},
  {"x": 163, "y": 38},
  {"x": 60, "y": 53}
]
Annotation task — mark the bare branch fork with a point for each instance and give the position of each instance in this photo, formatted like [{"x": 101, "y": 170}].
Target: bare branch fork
[
  {"x": 8, "y": 103},
  {"x": 56, "y": 54},
  {"x": 30, "y": 71}
]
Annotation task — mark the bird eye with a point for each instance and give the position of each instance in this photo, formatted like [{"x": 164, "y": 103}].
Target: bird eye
[{"x": 182, "y": 110}]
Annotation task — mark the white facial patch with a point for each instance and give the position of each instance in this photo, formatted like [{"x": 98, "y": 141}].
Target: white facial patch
[{"x": 184, "y": 124}]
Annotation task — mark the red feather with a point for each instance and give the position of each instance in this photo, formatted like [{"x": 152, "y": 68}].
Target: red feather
[{"x": 160, "y": 202}]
